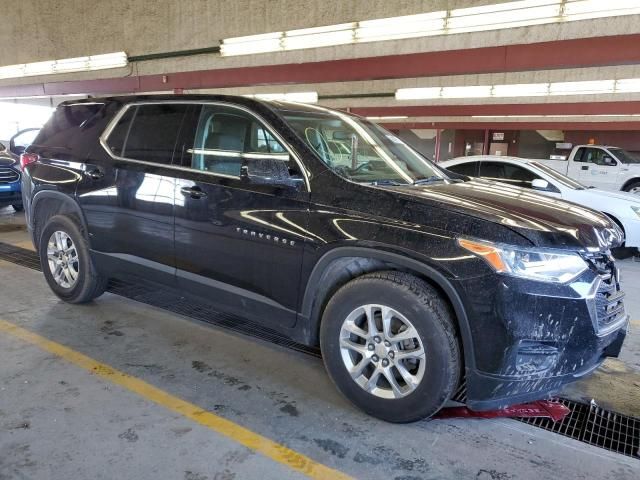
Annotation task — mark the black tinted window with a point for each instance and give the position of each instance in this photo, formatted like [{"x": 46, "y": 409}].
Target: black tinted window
[
  {"x": 228, "y": 138},
  {"x": 470, "y": 169},
  {"x": 507, "y": 173},
  {"x": 150, "y": 132},
  {"x": 119, "y": 133}
]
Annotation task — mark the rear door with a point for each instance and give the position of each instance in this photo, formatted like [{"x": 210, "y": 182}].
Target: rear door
[
  {"x": 127, "y": 192},
  {"x": 595, "y": 167},
  {"x": 239, "y": 238}
]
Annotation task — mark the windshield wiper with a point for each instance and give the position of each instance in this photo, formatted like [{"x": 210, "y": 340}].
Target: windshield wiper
[
  {"x": 386, "y": 181},
  {"x": 426, "y": 181}
]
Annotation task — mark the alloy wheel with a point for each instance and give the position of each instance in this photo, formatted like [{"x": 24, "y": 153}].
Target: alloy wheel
[
  {"x": 382, "y": 351},
  {"x": 63, "y": 260}
]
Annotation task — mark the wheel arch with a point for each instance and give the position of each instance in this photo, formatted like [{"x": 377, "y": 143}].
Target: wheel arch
[
  {"x": 630, "y": 182},
  {"x": 46, "y": 204},
  {"x": 339, "y": 266}
]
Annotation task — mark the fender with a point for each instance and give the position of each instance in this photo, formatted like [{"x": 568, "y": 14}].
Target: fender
[
  {"x": 67, "y": 203},
  {"x": 320, "y": 282}
]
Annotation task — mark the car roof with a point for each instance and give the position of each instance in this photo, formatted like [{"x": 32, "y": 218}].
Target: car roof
[{"x": 238, "y": 99}]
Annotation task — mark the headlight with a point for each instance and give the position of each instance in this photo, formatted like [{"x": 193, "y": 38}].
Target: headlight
[
  {"x": 531, "y": 263},
  {"x": 636, "y": 210}
]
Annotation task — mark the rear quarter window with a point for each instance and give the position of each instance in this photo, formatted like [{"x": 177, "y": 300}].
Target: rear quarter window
[{"x": 65, "y": 122}]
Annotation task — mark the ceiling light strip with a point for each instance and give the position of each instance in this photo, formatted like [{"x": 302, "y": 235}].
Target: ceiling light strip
[
  {"x": 444, "y": 22},
  {"x": 66, "y": 65},
  {"x": 591, "y": 87}
]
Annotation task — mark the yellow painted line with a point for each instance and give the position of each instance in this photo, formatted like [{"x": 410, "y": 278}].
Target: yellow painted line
[{"x": 273, "y": 450}]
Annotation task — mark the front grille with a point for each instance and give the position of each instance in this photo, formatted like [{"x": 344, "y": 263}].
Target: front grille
[
  {"x": 609, "y": 297},
  {"x": 8, "y": 175}
]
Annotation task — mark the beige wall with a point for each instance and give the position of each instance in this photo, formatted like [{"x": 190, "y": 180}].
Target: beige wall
[{"x": 35, "y": 30}]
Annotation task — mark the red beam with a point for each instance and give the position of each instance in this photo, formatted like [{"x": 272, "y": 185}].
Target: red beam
[
  {"x": 592, "y": 108},
  {"x": 577, "y": 53},
  {"x": 590, "y": 126}
]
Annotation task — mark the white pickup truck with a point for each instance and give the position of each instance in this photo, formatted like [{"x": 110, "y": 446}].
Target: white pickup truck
[{"x": 607, "y": 168}]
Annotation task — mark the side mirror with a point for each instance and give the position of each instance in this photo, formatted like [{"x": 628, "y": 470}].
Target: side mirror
[
  {"x": 540, "y": 184},
  {"x": 608, "y": 160},
  {"x": 270, "y": 171}
]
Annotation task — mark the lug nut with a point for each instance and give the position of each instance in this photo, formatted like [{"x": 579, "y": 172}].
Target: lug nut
[
  {"x": 392, "y": 354},
  {"x": 376, "y": 339},
  {"x": 385, "y": 362},
  {"x": 371, "y": 346},
  {"x": 375, "y": 358},
  {"x": 387, "y": 343}
]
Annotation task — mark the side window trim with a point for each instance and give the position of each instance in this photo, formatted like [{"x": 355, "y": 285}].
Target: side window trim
[{"x": 105, "y": 136}]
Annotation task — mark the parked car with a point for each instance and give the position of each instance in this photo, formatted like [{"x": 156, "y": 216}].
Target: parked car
[
  {"x": 10, "y": 191},
  {"x": 623, "y": 208},
  {"x": 409, "y": 280},
  {"x": 608, "y": 168}
]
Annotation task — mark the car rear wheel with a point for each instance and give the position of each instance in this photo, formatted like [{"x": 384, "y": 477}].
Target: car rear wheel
[
  {"x": 633, "y": 188},
  {"x": 389, "y": 344},
  {"x": 66, "y": 262}
]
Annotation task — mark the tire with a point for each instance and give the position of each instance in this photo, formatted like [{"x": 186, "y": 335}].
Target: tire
[
  {"x": 423, "y": 307},
  {"x": 633, "y": 187},
  {"x": 88, "y": 283},
  {"x": 18, "y": 207}
]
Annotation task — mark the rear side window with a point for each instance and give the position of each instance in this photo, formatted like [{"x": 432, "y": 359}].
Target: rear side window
[
  {"x": 148, "y": 132},
  {"x": 470, "y": 169},
  {"x": 62, "y": 128}
]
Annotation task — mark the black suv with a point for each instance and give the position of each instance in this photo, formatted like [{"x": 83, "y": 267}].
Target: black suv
[{"x": 332, "y": 230}]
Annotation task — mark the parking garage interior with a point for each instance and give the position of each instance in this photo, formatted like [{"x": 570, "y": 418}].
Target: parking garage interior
[{"x": 144, "y": 382}]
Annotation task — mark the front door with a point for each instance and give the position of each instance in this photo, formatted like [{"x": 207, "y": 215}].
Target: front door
[
  {"x": 127, "y": 191},
  {"x": 595, "y": 167},
  {"x": 239, "y": 228}
]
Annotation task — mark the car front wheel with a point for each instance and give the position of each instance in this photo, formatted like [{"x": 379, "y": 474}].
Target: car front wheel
[{"x": 389, "y": 344}]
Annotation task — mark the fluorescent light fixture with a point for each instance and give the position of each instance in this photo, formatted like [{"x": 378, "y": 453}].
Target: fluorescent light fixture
[
  {"x": 585, "y": 9},
  {"x": 388, "y": 117},
  {"x": 407, "y": 26},
  {"x": 66, "y": 65},
  {"x": 443, "y": 22},
  {"x": 418, "y": 93},
  {"x": 521, "y": 90},
  {"x": 263, "y": 43},
  {"x": 590, "y": 87},
  {"x": 628, "y": 85},
  {"x": 581, "y": 88},
  {"x": 298, "y": 41},
  {"x": 300, "y": 97},
  {"x": 506, "y": 15},
  {"x": 479, "y": 91}
]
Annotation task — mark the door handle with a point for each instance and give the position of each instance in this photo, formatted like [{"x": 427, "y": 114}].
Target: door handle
[
  {"x": 193, "y": 192},
  {"x": 95, "y": 174},
  {"x": 585, "y": 167}
]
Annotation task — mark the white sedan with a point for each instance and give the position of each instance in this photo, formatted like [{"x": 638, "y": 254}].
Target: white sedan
[{"x": 623, "y": 208}]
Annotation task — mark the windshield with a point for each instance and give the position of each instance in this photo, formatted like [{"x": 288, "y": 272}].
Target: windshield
[
  {"x": 558, "y": 177},
  {"x": 361, "y": 151},
  {"x": 624, "y": 156}
]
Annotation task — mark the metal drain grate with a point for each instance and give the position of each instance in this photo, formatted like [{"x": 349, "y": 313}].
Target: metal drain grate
[
  {"x": 596, "y": 426},
  {"x": 586, "y": 423}
]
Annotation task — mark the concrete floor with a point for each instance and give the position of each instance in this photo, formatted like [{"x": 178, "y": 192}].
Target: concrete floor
[{"x": 58, "y": 421}]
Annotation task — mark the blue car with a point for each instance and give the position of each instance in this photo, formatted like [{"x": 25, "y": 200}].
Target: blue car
[{"x": 10, "y": 190}]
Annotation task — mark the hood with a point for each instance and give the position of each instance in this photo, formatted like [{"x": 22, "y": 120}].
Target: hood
[
  {"x": 632, "y": 198},
  {"x": 544, "y": 221}
]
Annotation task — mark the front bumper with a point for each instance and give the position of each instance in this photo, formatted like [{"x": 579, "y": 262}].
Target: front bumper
[
  {"x": 531, "y": 338},
  {"x": 10, "y": 195}
]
